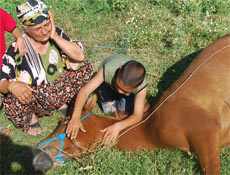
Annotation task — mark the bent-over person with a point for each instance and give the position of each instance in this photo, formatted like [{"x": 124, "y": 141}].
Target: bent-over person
[{"x": 122, "y": 86}]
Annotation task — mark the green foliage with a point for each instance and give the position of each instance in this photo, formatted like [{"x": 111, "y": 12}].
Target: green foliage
[
  {"x": 188, "y": 7},
  {"x": 165, "y": 35},
  {"x": 173, "y": 27},
  {"x": 119, "y": 6}
]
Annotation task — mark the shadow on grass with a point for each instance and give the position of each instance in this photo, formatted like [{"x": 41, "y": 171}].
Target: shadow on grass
[
  {"x": 171, "y": 75},
  {"x": 12, "y": 161}
]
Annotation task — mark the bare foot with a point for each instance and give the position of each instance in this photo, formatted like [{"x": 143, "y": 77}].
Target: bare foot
[
  {"x": 63, "y": 109},
  {"x": 119, "y": 115},
  {"x": 35, "y": 127},
  {"x": 4, "y": 131}
]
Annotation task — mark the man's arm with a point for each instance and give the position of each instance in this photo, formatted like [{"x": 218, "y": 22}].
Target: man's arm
[
  {"x": 75, "y": 124},
  {"x": 138, "y": 110},
  {"x": 69, "y": 48},
  {"x": 20, "y": 45}
]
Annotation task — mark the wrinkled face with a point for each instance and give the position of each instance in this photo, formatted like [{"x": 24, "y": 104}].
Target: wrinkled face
[
  {"x": 40, "y": 32},
  {"x": 121, "y": 88}
]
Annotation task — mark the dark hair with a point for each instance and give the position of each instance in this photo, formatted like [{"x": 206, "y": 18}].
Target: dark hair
[{"x": 132, "y": 73}]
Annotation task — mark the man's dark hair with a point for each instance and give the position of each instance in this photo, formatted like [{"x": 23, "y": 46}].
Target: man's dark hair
[{"x": 132, "y": 73}]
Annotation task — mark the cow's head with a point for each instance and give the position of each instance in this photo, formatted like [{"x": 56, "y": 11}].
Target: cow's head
[{"x": 59, "y": 147}]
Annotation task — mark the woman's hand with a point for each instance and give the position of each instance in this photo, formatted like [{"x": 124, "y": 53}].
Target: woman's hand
[
  {"x": 53, "y": 33},
  {"x": 73, "y": 127},
  {"x": 22, "y": 91},
  {"x": 111, "y": 133}
]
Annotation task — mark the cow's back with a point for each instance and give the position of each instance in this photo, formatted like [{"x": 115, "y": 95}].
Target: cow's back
[
  {"x": 208, "y": 79},
  {"x": 200, "y": 99}
]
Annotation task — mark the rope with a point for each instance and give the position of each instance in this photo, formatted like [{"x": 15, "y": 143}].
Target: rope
[
  {"x": 60, "y": 137},
  {"x": 122, "y": 47},
  {"x": 188, "y": 78},
  {"x": 173, "y": 92}
]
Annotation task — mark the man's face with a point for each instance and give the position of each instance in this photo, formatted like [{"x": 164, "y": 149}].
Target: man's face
[
  {"x": 121, "y": 88},
  {"x": 40, "y": 32}
]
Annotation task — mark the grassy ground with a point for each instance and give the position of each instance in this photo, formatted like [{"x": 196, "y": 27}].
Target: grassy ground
[{"x": 164, "y": 35}]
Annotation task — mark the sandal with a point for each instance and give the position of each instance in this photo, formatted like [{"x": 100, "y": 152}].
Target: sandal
[{"x": 35, "y": 126}]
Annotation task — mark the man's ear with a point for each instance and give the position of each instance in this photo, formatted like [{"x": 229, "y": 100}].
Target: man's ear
[
  {"x": 119, "y": 69},
  {"x": 118, "y": 74}
]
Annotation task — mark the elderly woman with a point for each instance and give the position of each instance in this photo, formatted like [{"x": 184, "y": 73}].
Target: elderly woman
[{"x": 48, "y": 76}]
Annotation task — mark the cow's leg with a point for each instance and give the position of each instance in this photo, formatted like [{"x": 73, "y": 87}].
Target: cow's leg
[
  {"x": 209, "y": 159},
  {"x": 205, "y": 143}
]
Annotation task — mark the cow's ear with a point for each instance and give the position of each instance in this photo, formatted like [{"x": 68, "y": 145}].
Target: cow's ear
[{"x": 91, "y": 102}]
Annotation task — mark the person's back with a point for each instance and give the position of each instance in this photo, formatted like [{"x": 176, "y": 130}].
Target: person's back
[
  {"x": 121, "y": 85},
  {"x": 132, "y": 74}
]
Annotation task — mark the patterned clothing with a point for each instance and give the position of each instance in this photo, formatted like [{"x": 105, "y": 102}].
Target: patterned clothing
[
  {"x": 48, "y": 97},
  {"x": 32, "y": 12},
  {"x": 54, "y": 79},
  {"x": 34, "y": 68}
]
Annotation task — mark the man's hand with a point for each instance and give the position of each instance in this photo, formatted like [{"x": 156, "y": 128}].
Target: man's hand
[
  {"x": 73, "y": 127},
  {"x": 53, "y": 33},
  {"x": 22, "y": 91},
  {"x": 111, "y": 133},
  {"x": 20, "y": 46}
]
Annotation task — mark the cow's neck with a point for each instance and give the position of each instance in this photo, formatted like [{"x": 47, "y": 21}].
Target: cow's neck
[{"x": 135, "y": 139}]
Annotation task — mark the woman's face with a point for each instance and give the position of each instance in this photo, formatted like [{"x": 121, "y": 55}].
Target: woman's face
[{"x": 40, "y": 32}]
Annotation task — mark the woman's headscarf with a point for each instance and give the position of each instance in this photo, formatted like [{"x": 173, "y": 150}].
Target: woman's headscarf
[{"x": 32, "y": 12}]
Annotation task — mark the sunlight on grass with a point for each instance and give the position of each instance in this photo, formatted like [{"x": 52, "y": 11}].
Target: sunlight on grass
[{"x": 158, "y": 33}]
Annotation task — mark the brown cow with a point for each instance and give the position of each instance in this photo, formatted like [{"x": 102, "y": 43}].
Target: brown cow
[{"x": 193, "y": 114}]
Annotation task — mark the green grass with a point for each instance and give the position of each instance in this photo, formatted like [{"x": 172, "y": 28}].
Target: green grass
[{"x": 165, "y": 35}]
